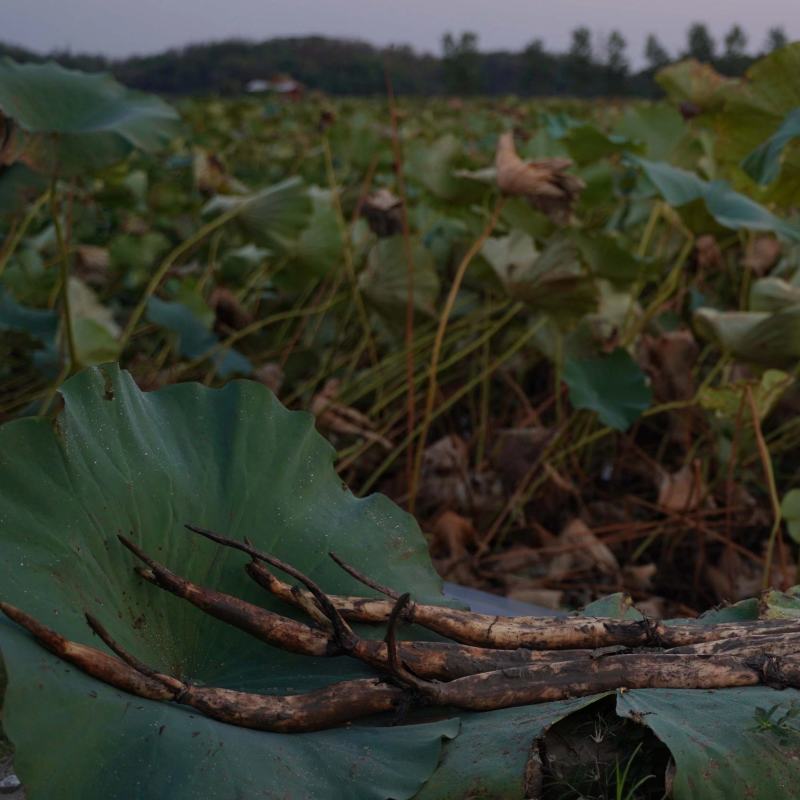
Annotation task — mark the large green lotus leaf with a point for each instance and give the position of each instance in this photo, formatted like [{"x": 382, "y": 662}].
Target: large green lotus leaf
[
  {"x": 691, "y": 81},
  {"x": 40, "y": 324},
  {"x": 93, "y": 327},
  {"x": 433, "y": 165},
  {"x": 587, "y": 143},
  {"x": 18, "y": 185},
  {"x": 117, "y": 460},
  {"x": 554, "y": 281},
  {"x": 677, "y": 186},
  {"x": 195, "y": 339},
  {"x": 755, "y": 107},
  {"x": 512, "y": 257},
  {"x": 773, "y": 294},
  {"x": 660, "y": 128},
  {"x": 385, "y": 279},
  {"x": 729, "y": 208},
  {"x": 75, "y": 121},
  {"x": 763, "y": 165},
  {"x": 134, "y": 749},
  {"x": 754, "y": 110},
  {"x": 726, "y": 744},
  {"x": 609, "y": 258},
  {"x": 767, "y": 339},
  {"x": 320, "y": 245},
  {"x": 614, "y": 386},
  {"x": 276, "y": 214},
  {"x": 489, "y": 757}
]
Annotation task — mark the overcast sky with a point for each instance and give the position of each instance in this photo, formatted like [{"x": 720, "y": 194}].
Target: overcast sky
[{"x": 122, "y": 27}]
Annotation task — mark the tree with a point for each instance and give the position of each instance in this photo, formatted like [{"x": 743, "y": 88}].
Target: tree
[
  {"x": 616, "y": 60},
  {"x": 776, "y": 39},
  {"x": 580, "y": 71},
  {"x": 701, "y": 44},
  {"x": 655, "y": 53},
  {"x": 537, "y": 70},
  {"x": 461, "y": 63},
  {"x": 616, "y": 63},
  {"x": 580, "y": 48},
  {"x": 735, "y": 43}
]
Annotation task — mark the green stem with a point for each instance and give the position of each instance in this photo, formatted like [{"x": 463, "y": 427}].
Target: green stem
[
  {"x": 433, "y": 371},
  {"x": 64, "y": 269},
  {"x": 450, "y": 402},
  {"x": 19, "y": 234}
]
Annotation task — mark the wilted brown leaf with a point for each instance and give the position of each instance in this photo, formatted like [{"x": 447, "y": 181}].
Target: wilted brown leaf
[
  {"x": 515, "y": 451},
  {"x": 708, "y": 254},
  {"x": 339, "y": 418},
  {"x": 670, "y": 359},
  {"x": 683, "y": 490},
  {"x": 452, "y": 540},
  {"x": 586, "y": 552},
  {"x": 736, "y": 578},
  {"x": 545, "y": 184},
  {"x": 452, "y": 536},
  {"x": 449, "y": 482},
  {"x": 762, "y": 254}
]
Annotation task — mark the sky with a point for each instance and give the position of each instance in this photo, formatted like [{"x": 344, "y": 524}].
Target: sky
[{"x": 122, "y": 27}]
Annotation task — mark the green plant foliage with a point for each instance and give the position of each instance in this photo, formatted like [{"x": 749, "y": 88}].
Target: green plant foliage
[
  {"x": 763, "y": 165},
  {"x": 385, "y": 279},
  {"x": 136, "y": 257},
  {"x": 122, "y": 461},
  {"x": 616, "y": 606},
  {"x": 773, "y": 294},
  {"x": 18, "y": 185},
  {"x": 41, "y": 325},
  {"x": 275, "y": 215},
  {"x": 727, "y": 401},
  {"x": 553, "y": 282},
  {"x": 195, "y": 339},
  {"x": 608, "y": 258},
  {"x": 722, "y": 745},
  {"x": 320, "y": 245},
  {"x": 790, "y": 510},
  {"x": 691, "y": 81},
  {"x": 729, "y": 208},
  {"x": 771, "y": 340},
  {"x": 73, "y": 121},
  {"x": 659, "y": 128},
  {"x": 614, "y": 386},
  {"x": 490, "y": 755}
]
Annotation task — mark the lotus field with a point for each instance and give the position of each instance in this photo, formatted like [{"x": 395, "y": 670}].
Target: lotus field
[{"x": 274, "y": 369}]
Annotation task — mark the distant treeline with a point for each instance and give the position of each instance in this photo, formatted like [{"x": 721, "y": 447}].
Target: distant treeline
[{"x": 589, "y": 68}]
